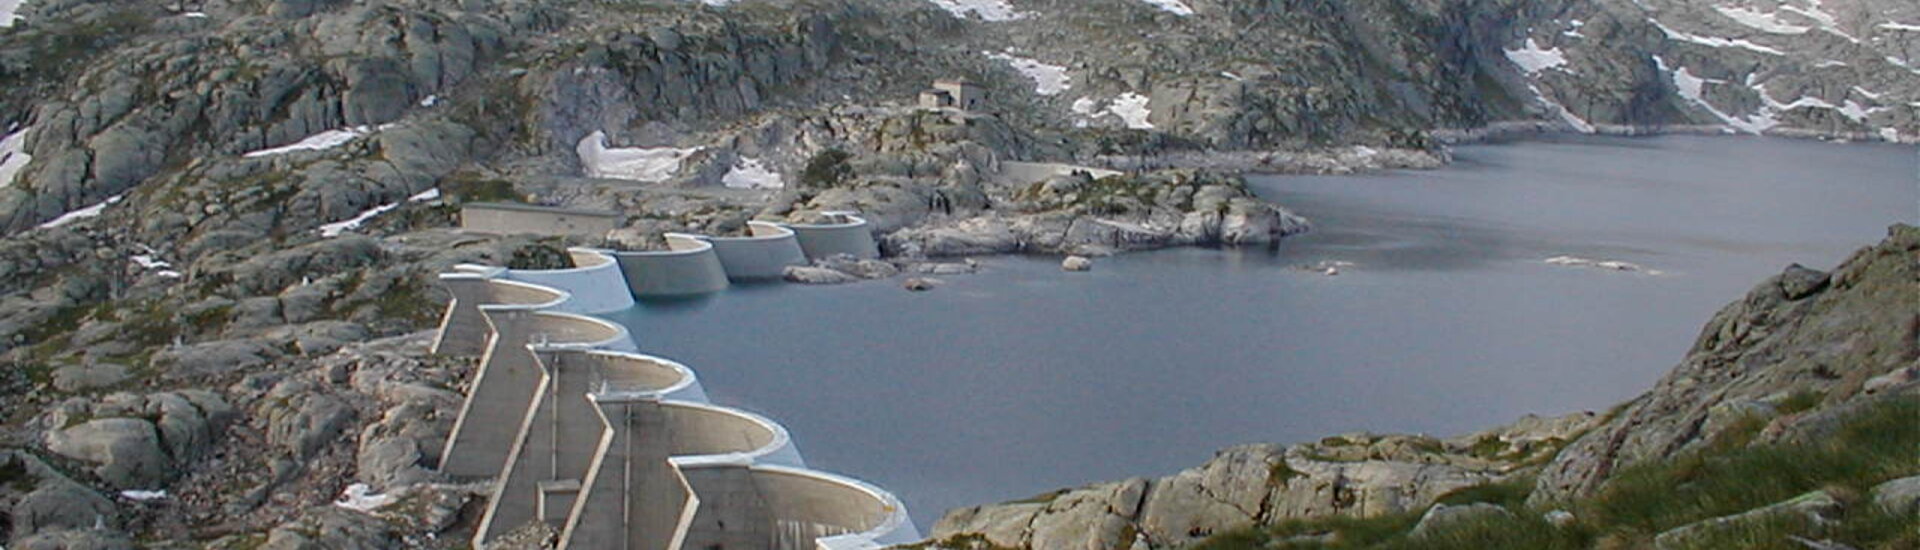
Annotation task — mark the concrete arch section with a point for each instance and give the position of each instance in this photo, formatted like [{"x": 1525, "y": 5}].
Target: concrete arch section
[
  {"x": 688, "y": 267},
  {"x": 463, "y": 329},
  {"x": 787, "y": 508},
  {"x": 762, "y": 255},
  {"x": 846, "y": 233},
  {"x": 595, "y": 282},
  {"x": 510, "y": 376}
]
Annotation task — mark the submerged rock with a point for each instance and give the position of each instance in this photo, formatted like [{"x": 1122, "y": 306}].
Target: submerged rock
[{"x": 1076, "y": 263}]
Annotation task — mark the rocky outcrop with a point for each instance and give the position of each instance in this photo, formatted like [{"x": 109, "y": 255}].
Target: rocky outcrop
[
  {"x": 1081, "y": 215},
  {"x": 1819, "y": 336},
  {"x": 1360, "y": 475},
  {"x": 138, "y": 441}
]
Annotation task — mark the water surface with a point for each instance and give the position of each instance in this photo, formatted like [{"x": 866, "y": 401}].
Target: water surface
[{"x": 1023, "y": 379}]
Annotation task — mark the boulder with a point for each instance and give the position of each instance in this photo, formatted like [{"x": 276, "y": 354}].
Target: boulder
[
  {"x": 76, "y": 378},
  {"x": 1076, "y": 263},
  {"x": 127, "y": 450},
  {"x": 56, "y": 505},
  {"x": 1817, "y": 507},
  {"x": 1441, "y": 514},
  {"x": 77, "y": 539},
  {"x": 920, "y": 284},
  {"x": 1899, "y": 497},
  {"x": 817, "y": 275}
]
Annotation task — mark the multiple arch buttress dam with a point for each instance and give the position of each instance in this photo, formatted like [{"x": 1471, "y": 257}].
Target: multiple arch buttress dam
[
  {"x": 615, "y": 449},
  {"x": 700, "y": 264}
]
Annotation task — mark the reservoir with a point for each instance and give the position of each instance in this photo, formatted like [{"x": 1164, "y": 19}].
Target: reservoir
[{"x": 1450, "y": 318}]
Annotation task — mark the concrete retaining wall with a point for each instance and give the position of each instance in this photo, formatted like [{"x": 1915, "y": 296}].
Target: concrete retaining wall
[
  {"x": 690, "y": 267},
  {"x": 511, "y": 219},
  {"x": 595, "y": 281},
  {"x": 620, "y": 450},
  {"x": 849, "y": 234},
  {"x": 763, "y": 255}
]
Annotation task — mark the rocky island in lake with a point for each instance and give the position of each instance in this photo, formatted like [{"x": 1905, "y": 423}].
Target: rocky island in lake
[{"x": 354, "y": 274}]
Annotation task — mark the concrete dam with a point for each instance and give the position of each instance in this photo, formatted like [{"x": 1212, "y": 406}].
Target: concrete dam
[{"x": 613, "y": 448}]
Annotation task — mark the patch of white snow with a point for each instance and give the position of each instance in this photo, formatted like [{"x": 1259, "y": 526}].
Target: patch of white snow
[
  {"x": 1895, "y": 26},
  {"x": 1533, "y": 59},
  {"x": 140, "y": 495},
  {"x": 195, "y": 15},
  {"x": 430, "y": 101},
  {"x": 321, "y": 141},
  {"x": 13, "y": 156},
  {"x": 336, "y": 228},
  {"x": 1175, "y": 7},
  {"x": 81, "y": 214},
  {"x": 360, "y": 498},
  {"x": 8, "y": 8},
  {"x": 751, "y": 174},
  {"x": 650, "y": 165},
  {"x": 1132, "y": 109},
  {"x": 1047, "y": 79},
  {"x": 1612, "y": 265},
  {"x": 1768, "y": 22},
  {"x": 986, "y": 10}
]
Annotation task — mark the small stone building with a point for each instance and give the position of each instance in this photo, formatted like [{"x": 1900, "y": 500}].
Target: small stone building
[{"x": 957, "y": 93}]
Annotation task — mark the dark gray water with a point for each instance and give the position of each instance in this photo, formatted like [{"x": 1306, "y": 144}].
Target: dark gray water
[{"x": 1024, "y": 379}]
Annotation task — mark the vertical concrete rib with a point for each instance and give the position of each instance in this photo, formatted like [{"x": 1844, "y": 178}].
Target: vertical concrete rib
[{"x": 509, "y": 378}]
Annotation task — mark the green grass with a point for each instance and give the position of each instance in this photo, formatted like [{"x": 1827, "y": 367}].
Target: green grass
[
  {"x": 1878, "y": 445},
  {"x": 1875, "y": 445}
]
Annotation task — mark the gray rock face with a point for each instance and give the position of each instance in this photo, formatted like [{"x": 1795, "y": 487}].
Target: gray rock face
[
  {"x": 1241, "y": 486},
  {"x": 1760, "y": 350}
]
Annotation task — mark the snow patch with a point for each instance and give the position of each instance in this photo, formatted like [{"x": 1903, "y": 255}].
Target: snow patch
[
  {"x": 8, "y": 8},
  {"x": 1533, "y": 59},
  {"x": 1231, "y": 76},
  {"x": 142, "y": 496},
  {"x": 986, "y": 10},
  {"x": 430, "y": 101},
  {"x": 1047, "y": 79},
  {"x": 81, "y": 214},
  {"x": 195, "y": 15},
  {"x": 1830, "y": 63},
  {"x": 13, "y": 156},
  {"x": 148, "y": 262},
  {"x": 1613, "y": 265},
  {"x": 750, "y": 174},
  {"x": 1768, "y": 22},
  {"x": 1132, "y": 108},
  {"x": 649, "y": 165},
  {"x": 321, "y": 141},
  {"x": 361, "y": 498},
  {"x": 336, "y": 228},
  {"x": 1714, "y": 41},
  {"x": 1175, "y": 7},
  {"x": 1894, "y": 26}
]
